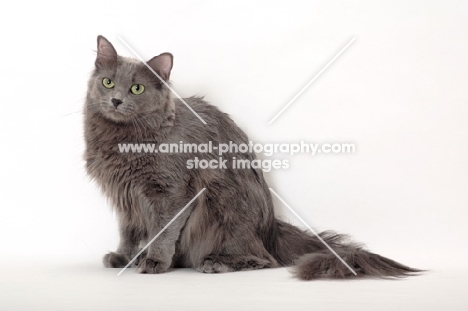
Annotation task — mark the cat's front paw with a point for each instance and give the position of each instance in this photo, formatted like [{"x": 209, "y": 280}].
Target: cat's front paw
[
  {"x": 114, "y": 260},
  {"x": 211, "y": 264},
  {"x": 152, "y": 266}
]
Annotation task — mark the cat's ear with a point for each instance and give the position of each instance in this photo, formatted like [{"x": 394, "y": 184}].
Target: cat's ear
[
  {"x": 106, "y": 54},
  {"x": 162, "y": 64}
]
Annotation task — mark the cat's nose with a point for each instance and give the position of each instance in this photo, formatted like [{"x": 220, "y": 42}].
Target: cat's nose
[{"x": 116, "y": 102}]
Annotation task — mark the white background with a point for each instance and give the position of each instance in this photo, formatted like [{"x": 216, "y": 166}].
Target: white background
[{"x": 399, "y": 93}]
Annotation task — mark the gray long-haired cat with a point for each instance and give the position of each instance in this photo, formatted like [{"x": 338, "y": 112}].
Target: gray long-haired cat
[{"x": 231, "y": 225}]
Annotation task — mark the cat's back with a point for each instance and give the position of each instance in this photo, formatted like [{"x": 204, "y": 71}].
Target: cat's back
[{"x": 219, "y": 126}]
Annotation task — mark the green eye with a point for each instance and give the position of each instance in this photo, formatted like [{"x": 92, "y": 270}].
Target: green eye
[
  {"x": 137, "y": 89},
  {"x": 108, "y": 83}
]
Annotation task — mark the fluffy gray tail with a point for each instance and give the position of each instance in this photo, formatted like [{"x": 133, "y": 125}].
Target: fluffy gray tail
[{"x": 313, "y": 260}]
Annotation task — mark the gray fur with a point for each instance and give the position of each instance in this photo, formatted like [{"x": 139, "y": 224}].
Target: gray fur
[{"x": 231, "y": 226}]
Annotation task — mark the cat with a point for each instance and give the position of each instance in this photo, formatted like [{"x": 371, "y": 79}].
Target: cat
[{"x": 231, "y": 225}]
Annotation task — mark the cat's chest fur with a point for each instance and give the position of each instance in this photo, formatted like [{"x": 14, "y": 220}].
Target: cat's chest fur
[{"x": 126, "y": 177}]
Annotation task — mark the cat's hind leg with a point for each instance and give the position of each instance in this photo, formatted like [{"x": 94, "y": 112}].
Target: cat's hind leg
[{"x": 228, "y": 263}]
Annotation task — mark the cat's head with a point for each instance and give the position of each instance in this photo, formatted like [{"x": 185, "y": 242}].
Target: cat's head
[{"x": 122, "y": 89}]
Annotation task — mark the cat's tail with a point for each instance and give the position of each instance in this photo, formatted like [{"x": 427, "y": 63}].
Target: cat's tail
[{"x": 312, "y": 259}]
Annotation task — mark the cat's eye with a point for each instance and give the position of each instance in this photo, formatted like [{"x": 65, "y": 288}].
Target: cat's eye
[
  {"x": 108, "y": 83},
  {"x": 137, "y": 89}
]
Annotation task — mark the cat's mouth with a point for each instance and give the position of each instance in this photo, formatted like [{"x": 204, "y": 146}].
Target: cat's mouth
[{"x": 115, "y": 113}]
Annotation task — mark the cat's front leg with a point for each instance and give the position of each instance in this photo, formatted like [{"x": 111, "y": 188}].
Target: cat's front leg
[
  {"x": 160, "y": 252},
  {"x": 158, "y": 259},
  {"x": 130, "y": 237}
]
